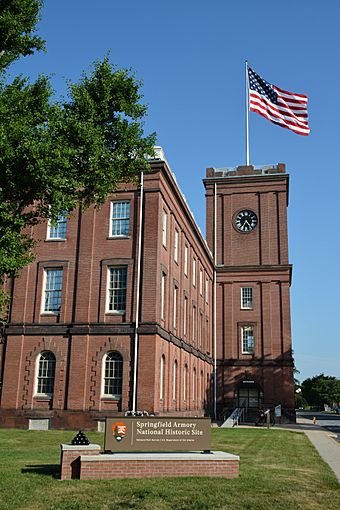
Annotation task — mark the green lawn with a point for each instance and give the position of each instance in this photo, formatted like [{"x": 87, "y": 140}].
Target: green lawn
[{"x": 279, "y": 470}]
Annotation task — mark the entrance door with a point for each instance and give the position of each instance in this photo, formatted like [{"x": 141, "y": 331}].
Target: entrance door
[{"x": 248, "y": 397}]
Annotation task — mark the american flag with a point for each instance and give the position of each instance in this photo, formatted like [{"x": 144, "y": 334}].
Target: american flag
[{"x": 284, "y": 108}]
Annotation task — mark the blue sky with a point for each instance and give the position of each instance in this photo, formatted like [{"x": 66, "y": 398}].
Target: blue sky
[{"x": 190, "y": 56}]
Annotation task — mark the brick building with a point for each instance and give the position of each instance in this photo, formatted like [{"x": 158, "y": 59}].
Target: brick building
[
  {"x": 253, "y": 277},
  {"x": 68, "y": 352}
]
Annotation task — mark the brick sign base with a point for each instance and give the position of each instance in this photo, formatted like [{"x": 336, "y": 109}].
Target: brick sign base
[{"x": 87, "y": 463}]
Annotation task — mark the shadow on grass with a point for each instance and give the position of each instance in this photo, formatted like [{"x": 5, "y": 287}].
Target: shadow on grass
[{"x": 43, "y": 469}]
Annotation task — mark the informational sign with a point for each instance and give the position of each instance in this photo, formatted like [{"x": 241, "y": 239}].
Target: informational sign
[
  {"x": 278, "y": 411},
  {"x": 152, "y": 434}
]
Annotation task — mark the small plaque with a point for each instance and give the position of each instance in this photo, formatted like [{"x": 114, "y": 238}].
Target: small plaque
[{"x": 151, "y": 434}]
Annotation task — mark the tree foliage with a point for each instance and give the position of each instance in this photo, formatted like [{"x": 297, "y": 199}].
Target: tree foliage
[
  {"x": 57, "y": 155},
  {"x": 321, "y": 389},
  {"x": 18, "y": 19}
]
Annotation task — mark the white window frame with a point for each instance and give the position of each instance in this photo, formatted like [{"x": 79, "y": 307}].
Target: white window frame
[
  {"x": 200, "y": 333},
  {"x": 245, "y": 341},
  {"x": 194, "y": 272},
  {"x": 185, "y": 383},
  {"x": 201, "y": 282},
  {"x": 161, "y": 378},
  {"x": 247, "y": 298},
  {"x": 163, "y": 284},
  {"x": 175, "y": 305},
  {"x": 176, "y": 243},
  {"x": 194, "y": 384},
  {"x": 194, "y": 324},
  {"x": 113, "y": 396},
  {"x": 174, "y": 380},
  {"x": 185, "y": 265},
  {"x": 164, "y": 227},
  {"x": 124, "y": 219},
  {"x": 207, "y": 335},
  {"x": 38, "y": 376},
  {"x": 57, "y": 232},
  {"x": 110, "y": 289},
  {"x": 49, "y": 292},
  {"x": 185, "y": 315},
  {"x": 207, "y": 290}
]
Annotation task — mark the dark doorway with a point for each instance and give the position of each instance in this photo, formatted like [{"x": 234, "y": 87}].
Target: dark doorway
[{"x": 248, "y": 396}]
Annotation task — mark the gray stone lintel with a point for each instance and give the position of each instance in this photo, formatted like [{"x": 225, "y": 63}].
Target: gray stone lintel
[
  {"x": 73, "y": 447},
  {"x": 202, "y": 457}
]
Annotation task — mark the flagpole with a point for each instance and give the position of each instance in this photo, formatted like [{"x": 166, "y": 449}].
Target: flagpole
[
  {"x": 139, "y": 256},
  {"x": 247, "y": 116},
  {"x": 214, "y": 299}
]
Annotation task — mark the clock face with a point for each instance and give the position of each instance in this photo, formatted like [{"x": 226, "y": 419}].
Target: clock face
[{"x": 245, "y": 221}]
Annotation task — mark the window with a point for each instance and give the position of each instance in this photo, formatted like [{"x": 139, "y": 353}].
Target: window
[
  {"x": 175, "y": 306},
  {"x": 174, "y": 382},
  {"x": 207, "y": 335},
  {"x": 200, "y": 334},
  {"x": 186, "y": 259},
  {"x": 46, "y": 371},
  {"x": 117, "y": 289},
  {"x": 194, "y": 384},
  {"x": 201, "y": 387},
  {"x": 185, "y": 315},
  {"x": 161, "y": 378},
  {"x": 113, "y": 375},
  {"x": 201, "y": 282},
  {"x": 185, "y": 382},
  {"x": 164, "y": 224},
  {"x": 207, "y": 291},
  {"x": 194, "y": 323},
  {"x": 53, "y": 282},
  {"x": 176, "y": 246},
  {"x": 247, "y": 339},
  {"x": 194, "y": 272},
  {"x": 57, "y": 230},
  {"x": 163, "y": 296},
  {"x": 120, "y": 219},
  {"x": 247, "y": 298}
]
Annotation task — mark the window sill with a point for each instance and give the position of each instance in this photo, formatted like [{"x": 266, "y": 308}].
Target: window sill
[
  {"x": 107, "y": 398},
  {"x": 118, "y": 237},
  {"x": 50, "y": 314},
  {"x": 43, "y": 398},
  {"x": 115, "y": 313},
  {"x": 55, "y": 239}
]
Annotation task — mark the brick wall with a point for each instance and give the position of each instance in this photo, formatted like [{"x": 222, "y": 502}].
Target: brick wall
[
  {"x": 258, "y": 259},
  {"x": 86, "y": 463},
  {"x": 84, "y": 330}
]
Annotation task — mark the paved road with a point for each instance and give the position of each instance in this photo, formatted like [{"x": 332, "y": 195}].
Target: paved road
[{"x": 329, "y": 421}]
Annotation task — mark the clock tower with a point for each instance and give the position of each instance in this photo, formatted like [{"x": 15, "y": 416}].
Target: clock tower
[{"x": 247, "y": 233}]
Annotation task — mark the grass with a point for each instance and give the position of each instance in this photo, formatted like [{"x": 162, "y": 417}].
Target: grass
[{"x": 279, "y": 470}]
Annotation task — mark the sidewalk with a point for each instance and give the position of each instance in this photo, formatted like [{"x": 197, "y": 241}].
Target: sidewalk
[{"x": 326, "y": 445}]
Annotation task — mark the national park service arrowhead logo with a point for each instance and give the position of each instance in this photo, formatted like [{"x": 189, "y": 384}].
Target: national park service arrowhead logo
[{"x": 119, "y": 430}]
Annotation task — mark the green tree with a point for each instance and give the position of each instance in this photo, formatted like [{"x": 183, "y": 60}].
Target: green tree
[
  {"x": 55, "y": 156},
  {"x": 321, "y": 389}
]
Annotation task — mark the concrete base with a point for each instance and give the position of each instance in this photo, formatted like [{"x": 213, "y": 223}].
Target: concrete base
[{"x": 86, "y": 463}]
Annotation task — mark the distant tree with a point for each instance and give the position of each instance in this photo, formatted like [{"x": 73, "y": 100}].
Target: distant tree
[
  {"x": 321, "y": 389},
  {"x": 55, "y": 156}
]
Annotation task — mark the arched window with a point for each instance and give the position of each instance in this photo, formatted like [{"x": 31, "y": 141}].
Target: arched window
[
  {"x": 194, "y": 384},
  {"x": 201, "y": 386},
  {"x": 161, "y": 378},
  {"x": 113, "y": 375},
  {"x": 174, "y": 382},
  {"x": 185, "y": 383},
  {"x": 45, "y": 373}
]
